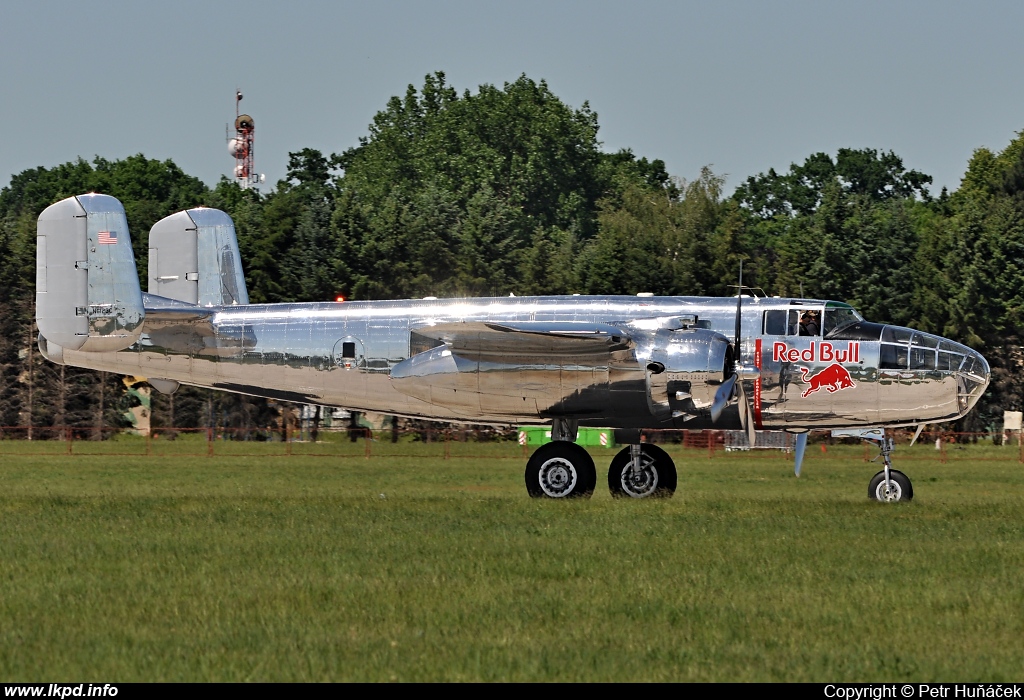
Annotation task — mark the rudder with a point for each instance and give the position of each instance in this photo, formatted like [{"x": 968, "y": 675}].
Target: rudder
[
  {"x": 193, "y": 257},
  {"x": 87, "y": 286}
]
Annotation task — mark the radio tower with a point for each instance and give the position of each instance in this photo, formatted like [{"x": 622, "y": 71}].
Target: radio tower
[{"x": 241, "y": 147}]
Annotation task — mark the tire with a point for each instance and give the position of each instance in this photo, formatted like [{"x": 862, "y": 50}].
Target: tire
[
  {"x": 903, "y": 490},
  {"x": 657, "y": 479},
  {"x": 561, "y": 470}
]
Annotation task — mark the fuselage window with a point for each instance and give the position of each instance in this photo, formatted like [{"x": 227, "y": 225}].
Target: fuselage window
[
  {"x": 922, "y": 358},
  {"x": 780, "y": 322},
  {"x": 348, "y": 350},
  {"x": 948, "y": 361}
]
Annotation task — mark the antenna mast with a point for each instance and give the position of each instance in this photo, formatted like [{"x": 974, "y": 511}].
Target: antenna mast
[{"x": 241, "y": 146}]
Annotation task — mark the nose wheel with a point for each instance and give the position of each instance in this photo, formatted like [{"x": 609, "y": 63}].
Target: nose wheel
[
  {"x": 889, "y": 485},
  {"x": 898, "y": 487},
  {"x": 642, "y": 471}
]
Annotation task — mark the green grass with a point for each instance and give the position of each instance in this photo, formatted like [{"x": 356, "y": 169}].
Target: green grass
[{"x": 417, "y": 568}]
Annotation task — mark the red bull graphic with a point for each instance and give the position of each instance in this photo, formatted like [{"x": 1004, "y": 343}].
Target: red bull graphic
[
  {"x": 817, "y": 352},
  {"x": 832, "y": 379}
]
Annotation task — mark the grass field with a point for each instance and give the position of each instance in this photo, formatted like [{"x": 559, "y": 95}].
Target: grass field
[{"x": 418, "y": 568}]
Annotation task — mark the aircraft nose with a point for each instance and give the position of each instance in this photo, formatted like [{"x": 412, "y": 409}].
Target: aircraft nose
[{"x": 972, "y": 379}]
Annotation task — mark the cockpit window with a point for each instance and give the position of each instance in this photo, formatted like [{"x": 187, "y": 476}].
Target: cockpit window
[
  {"x": 801, "y": 321},
  {"x": 838, "y": 316},
  {"x": 810, "y": 322}
]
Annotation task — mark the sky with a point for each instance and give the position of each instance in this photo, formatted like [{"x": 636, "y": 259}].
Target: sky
[{"x": 740, "y": 86}]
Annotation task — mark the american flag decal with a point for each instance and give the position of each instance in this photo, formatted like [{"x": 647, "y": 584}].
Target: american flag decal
[{"x": 106, "y": 237}]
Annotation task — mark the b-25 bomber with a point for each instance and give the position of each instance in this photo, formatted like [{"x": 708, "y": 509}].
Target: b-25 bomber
[{"x": 633, "y": 363}]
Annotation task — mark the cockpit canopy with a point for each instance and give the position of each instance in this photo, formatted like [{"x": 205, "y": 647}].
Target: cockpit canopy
[{"x": 807, "y": 320}]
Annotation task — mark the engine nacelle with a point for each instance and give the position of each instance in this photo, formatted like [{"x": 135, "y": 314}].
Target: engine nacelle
[{"x": 684, "y": 369}]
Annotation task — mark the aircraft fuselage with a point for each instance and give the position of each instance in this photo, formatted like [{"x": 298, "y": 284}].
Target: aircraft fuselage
[{"x": 343, "y": 354}]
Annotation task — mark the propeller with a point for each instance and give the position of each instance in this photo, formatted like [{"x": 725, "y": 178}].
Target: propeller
[
  {"x": 722, "y": 397},
  {"x": 801, "y": 446},
  {"x": 733, "y": 385},
  {"x": 746, "y": 415},
  {"x": 917, "y": 434}
]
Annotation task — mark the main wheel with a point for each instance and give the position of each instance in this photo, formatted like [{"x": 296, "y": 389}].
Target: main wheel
[
  {"x": 657, "y": 476},
  {"x": 902, "y": 489},
  {"x": 560, "y": 470}
]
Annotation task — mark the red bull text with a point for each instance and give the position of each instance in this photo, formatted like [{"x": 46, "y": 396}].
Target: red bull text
[{"x": 817, "y": 352}]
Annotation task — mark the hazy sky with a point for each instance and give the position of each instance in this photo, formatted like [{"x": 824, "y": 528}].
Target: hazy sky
[{"x": 742, "y": 86}]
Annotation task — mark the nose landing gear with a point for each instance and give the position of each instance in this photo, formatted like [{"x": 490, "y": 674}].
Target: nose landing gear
[{"x": 888, "y": 485}]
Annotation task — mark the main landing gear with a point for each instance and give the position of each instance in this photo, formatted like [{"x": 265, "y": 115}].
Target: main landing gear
[{"x": 563, "y": 469}]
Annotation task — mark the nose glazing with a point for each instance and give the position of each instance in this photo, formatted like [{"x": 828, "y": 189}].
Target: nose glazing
[{"x": 972, "y": 379}]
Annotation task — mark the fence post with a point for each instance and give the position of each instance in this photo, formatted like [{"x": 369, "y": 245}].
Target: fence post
[
  {"x": 287, "y": 438},
  {"x": 711, "y": 443},
  {"x": 149, "y": 446},
  {"x": 367, "y": 438},
  {"x": 209, "y": 442},
  {"x": 447, "y": 445},
  {"x": 942, "y": 451},
  {"x": 68, "y": 435},
  {"x": 1020, "y": 445}
]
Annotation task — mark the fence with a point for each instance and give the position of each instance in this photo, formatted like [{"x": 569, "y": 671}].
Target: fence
[{"x": 456, "y": 443}]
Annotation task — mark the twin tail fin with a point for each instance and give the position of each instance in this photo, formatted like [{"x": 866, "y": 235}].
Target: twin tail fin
[{"x": 88, "y": 296}]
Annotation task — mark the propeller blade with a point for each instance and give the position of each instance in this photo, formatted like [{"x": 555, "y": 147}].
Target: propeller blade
[
  {"x": 746, "y": 419},
  {"x": 917, "y": 434},
  {"x": 722, "y": 397},
  {"x": 739, "y": 312},
  {"x": 801, "y": 445}
]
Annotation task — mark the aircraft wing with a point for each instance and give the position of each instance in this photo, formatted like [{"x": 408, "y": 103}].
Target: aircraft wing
[{"x": 481, "y": 340}]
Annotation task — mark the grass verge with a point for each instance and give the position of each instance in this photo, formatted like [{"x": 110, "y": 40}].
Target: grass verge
[{"x": 425, "y": 569}]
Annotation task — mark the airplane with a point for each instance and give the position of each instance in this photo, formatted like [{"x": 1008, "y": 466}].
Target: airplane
[{"x": 632, "y": 363}]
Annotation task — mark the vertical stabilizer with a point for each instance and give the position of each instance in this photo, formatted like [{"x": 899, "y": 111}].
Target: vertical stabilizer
[
  {"x": 193, "y": 257},
  {"x": 87, "y": 286}
]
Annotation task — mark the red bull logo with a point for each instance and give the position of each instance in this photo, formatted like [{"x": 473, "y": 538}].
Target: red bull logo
[{"x": 832, "y": 379}]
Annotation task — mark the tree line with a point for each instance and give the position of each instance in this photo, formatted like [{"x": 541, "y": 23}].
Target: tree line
[{"x": 507, "y": 190}]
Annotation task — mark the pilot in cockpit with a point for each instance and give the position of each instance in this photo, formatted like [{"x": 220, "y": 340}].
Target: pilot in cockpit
[{"x": 810, "y": 324}]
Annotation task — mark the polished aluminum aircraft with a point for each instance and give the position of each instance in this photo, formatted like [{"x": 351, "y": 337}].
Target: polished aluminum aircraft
[{"x": 627, "y": 362}]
